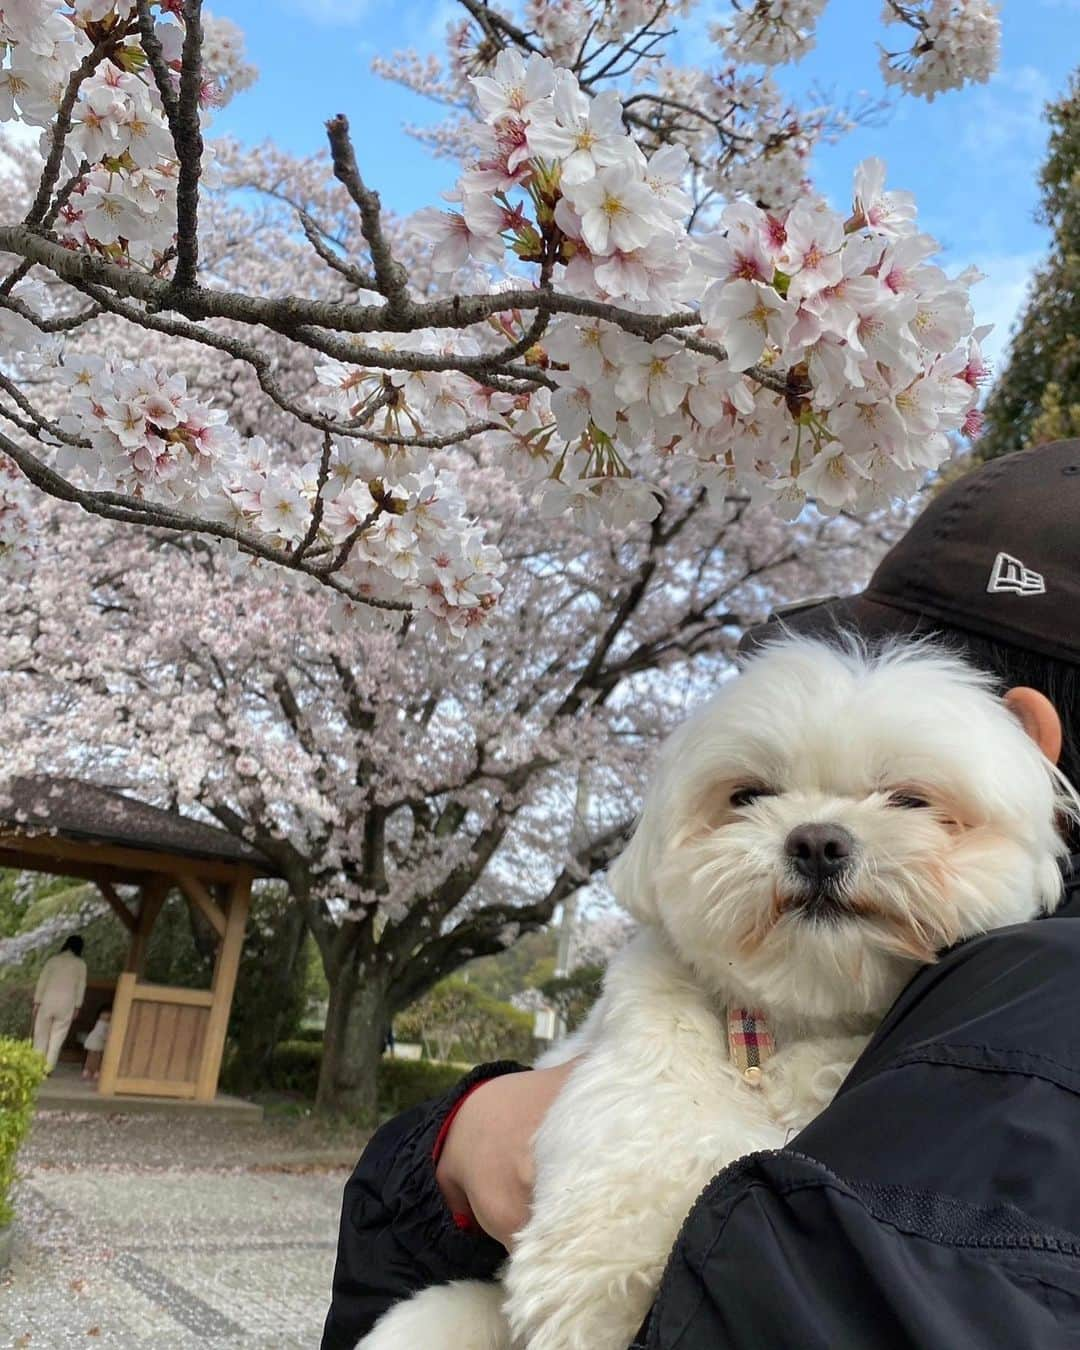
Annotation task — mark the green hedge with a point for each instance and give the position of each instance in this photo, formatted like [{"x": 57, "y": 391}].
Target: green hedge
[
  {"x": 294, "y": 1067},
  {"x": 407, "y": 1082},
  {"x": 16, "y": 1007},
  {"x": 401, "y": 1082},
  {"x": 21, "y": 1070}
]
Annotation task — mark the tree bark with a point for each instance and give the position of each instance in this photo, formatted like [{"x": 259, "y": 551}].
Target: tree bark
[{"x": 357, "y": 1018}]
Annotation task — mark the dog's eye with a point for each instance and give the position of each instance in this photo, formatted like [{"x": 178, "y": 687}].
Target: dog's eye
[
  {"x": 745, "y": 795},
  {"x": 909, "y": 800}
]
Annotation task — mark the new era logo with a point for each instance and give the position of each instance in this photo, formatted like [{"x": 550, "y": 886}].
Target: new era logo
[{"x": 1010, "y": 574}]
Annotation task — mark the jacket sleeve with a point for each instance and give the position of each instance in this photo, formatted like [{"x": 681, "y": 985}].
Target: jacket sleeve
[{"x": 397, "y": 1235}]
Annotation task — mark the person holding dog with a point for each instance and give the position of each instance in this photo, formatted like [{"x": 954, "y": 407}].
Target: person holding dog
[{"x": 935, "y": 1203}]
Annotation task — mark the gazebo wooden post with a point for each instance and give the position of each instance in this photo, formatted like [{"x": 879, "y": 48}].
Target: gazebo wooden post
[
  {"x": 114, "y": 1046},
  {"x": 223, "y": 987},
  {"x": 154, "y": 891}
]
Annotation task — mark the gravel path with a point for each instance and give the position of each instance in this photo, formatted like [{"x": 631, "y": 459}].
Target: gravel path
[{"x": 158, "y": 1233}]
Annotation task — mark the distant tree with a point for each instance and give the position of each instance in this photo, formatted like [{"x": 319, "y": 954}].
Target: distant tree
[
  {"x": 454, "y": 1018},
  {"x": 529, "y": 961},
  {"x": 572, "y": 996},
  {"x": 1037, "y": 396}
]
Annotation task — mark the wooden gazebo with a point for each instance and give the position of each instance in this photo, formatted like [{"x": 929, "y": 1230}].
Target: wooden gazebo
[{"x": 164, "y": 1041}]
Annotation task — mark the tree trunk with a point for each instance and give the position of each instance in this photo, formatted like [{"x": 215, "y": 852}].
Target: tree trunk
[{"x": 357, "y": 1018}]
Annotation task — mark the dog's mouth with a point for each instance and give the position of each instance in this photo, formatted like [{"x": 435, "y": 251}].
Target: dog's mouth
[
  {"x": 824, "y": 903},
  {"x": 829, "y": 905}
]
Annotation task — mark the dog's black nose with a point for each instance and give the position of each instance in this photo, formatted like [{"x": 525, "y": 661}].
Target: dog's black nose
[{"x": 820, "y": 852}]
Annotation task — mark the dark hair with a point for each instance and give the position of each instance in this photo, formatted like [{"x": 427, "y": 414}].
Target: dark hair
[
  {"x": 73, "y": 944},
  {"x": 1013, "y": 666}
]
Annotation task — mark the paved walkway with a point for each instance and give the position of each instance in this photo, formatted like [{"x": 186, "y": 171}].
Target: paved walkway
[{"x": 117, "y": 1254}]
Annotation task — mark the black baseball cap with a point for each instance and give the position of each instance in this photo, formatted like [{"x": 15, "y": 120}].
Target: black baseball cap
[{"x": 995, "y": 554}]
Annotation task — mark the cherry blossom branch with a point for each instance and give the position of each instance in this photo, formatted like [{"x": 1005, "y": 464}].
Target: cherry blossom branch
[
  {"x": 61, "y": 128},
  {"x": 315, "y": 236},
  {"x": 38, "y": 421},
  {"x": 390, "y": 277},
  {"x": 239, "y": 350},
  {"x": 299, "y": 318},
  {"x": 437, "y": 442},
  {"x": 163, "y": 77},
  {"x": 289, "y": 313},
  {"x": 138, "y": 511},
  {"x": 353, "y": 538},
  {"x": 318, "y": 505},
  {"x": 629, "y": 48},
  {"x": 496, "y": 25},
  {"x": 26, "y": 424},
  {"x": 64, "y": 323},
  {"x": 187, "y": 138}
]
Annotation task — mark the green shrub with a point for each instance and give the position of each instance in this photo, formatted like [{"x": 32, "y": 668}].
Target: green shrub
[
  {"x": 312, "y": 1034},
  {"x": 21, "y": 1070},
  {"x": 401, "y": 1082},
  {"x": 294, "y": 1067},
  {"x": 407, "y": 1082},
  {"x": 16, "y": 1008}
]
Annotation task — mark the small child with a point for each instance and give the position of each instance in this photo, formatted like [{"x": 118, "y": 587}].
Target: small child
[{"x": 94, "y": 1045}]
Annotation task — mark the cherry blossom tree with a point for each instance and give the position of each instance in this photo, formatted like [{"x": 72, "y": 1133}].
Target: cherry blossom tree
[
  {"x": 419, "y": 799},
  {"x": 574, "y": 421},
  {"x": 637, "y": 291}
]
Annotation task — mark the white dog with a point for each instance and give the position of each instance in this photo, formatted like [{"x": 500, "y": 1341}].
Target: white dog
[{"x": 821, "y": 828}]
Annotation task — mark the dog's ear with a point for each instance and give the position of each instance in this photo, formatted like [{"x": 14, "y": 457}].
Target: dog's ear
[{"x": 632, "y": 876}]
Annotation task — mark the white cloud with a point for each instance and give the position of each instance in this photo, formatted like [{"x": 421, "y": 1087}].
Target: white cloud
[
  {"x": 1000, "y": 298},
  {"x": 1006, "y": 115}
]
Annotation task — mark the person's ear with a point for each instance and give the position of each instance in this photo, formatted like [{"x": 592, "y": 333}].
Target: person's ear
[{"x": 1038, "y": 717}]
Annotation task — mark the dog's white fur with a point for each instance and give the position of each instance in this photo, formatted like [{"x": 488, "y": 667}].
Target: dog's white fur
[{"x": 656, "y": 1108}]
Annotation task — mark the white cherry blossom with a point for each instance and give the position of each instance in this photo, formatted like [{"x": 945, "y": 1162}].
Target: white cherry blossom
[{"x": 748, "y": 317}]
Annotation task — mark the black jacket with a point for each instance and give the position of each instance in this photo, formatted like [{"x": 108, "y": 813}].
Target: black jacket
[{"x": 935, "y": 1205}]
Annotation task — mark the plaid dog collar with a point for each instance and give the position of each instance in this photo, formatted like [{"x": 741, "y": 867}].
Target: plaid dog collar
[{"x": 750, "y": 1042}]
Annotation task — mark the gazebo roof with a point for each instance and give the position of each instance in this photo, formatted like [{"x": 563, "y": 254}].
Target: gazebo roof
[{"x": 73, "y": 810}]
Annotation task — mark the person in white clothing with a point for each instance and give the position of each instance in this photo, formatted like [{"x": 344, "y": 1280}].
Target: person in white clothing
[
  {"x": 95, "y": 1043},
  {"x": 58, "y": 996}
]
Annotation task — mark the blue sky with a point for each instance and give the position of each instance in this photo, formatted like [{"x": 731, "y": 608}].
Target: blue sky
[{"x": 970, "y": 157}]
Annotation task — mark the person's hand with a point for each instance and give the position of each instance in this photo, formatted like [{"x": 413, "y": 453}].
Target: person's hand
[{"x": 486, "y": 1168}]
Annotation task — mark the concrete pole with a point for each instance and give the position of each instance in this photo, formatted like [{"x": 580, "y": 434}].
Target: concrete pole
[{"x": 579, "y": 836}]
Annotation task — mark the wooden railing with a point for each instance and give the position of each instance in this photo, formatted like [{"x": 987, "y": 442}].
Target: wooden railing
[{"x": 157, "y": 1040}]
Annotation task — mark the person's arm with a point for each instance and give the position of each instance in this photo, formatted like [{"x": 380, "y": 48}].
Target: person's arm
[
  {"x": 80, "y": 985},
  {"x": 486, "y": 1163},
  {"x": 399, "y": 1233},
  {"x": 42, "y": 986}
]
